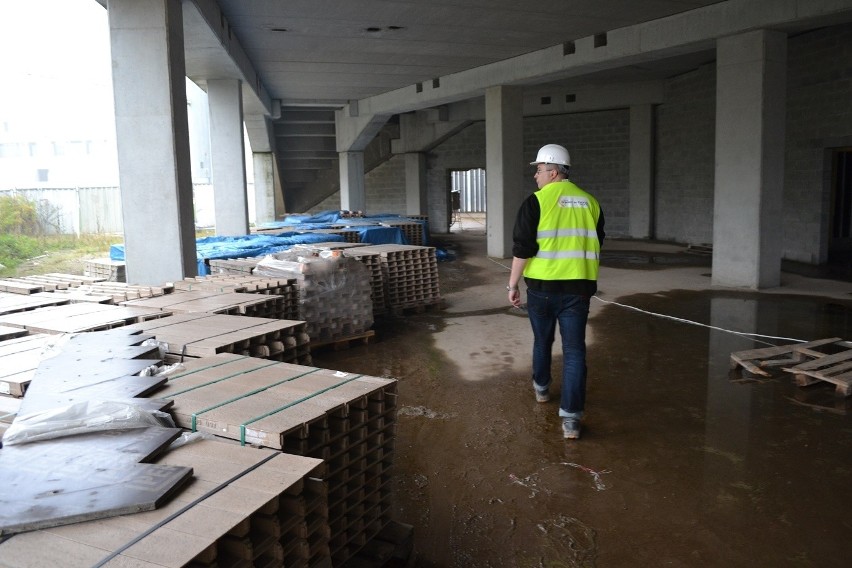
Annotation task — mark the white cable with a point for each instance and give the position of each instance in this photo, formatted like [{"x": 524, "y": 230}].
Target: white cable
[
  {"x": 699, "y": 324},
  {"x": 753, "y": 335}
]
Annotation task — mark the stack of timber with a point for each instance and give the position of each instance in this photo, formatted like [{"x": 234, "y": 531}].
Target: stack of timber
[
  {"x": 44, "y": 283},
  {"x": 75, "y": 318},
  {"x": 202, "y": 335},
  {"x": 105, "y": 269},
  {"x": 284, "y": 288},
  {"x": 821, "y": 361},
  {"x": 345, "y": 419},
  {"x": 410, "y": 274},
  {"x": 215, "y": 302},
  {"x": 334, "y": 292}
]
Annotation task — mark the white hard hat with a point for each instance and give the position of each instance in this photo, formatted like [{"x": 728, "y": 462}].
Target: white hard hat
[{"x": 552, "y": 154}]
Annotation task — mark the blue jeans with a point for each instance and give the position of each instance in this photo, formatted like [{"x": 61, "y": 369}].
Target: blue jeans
[{"x": 545, "y": 309}]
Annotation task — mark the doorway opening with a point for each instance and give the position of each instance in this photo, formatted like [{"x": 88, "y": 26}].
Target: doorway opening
[
  {"x": 840, "y": 227},
  {"x": 467, "y": 198}
]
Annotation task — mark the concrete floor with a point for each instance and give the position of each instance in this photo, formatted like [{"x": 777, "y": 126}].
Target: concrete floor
[{"x": 682, "y": 462}]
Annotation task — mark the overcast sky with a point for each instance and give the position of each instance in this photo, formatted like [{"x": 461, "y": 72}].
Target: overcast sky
[{"x": 55, "y": 67}]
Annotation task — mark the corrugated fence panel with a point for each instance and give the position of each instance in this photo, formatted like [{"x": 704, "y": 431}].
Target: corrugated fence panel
[
  {"x": 471, "y": 187},
  {"x": 100, "y": 210}
]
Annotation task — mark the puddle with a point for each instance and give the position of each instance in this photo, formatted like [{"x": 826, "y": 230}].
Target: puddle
[{"x": 683, "y": 462}]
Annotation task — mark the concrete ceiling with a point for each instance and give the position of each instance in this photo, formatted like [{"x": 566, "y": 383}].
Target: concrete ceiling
[{"x": 328, "y": 52}]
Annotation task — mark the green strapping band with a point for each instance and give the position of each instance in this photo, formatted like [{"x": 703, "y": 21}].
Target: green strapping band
[
  {"x": 248, "y": 394},
  {"x": 241, "y": 357},
  {"x": 288, "y": 405},
  {"x": 219, "y": 380}
]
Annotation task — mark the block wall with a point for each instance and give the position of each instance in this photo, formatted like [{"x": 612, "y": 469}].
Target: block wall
[
  {"x": 819, "y": 119},
  {"x": 684, "y": 165}
]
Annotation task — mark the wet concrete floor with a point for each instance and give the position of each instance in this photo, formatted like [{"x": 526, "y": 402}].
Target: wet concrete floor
[{"x": 682, "y": 462}]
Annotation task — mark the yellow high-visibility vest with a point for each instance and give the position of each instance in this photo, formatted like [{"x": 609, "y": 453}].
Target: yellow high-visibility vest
[{"x": 568, "y": 244}]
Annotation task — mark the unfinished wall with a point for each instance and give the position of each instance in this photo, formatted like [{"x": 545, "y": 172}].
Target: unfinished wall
[
  {"x": 685, "y": 150},
  {"x": 599, "y": 145},
  {"x": 819, "y": 118}
]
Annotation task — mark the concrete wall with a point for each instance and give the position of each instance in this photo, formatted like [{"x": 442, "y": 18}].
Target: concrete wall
[
  {"x": 598, "y": 143},
  {"x": 819, "y": 117},
  {"x": 685, "y": 150}
]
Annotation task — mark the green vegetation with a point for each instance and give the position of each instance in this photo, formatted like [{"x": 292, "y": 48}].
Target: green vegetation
[{"x": 26, "y": 249}]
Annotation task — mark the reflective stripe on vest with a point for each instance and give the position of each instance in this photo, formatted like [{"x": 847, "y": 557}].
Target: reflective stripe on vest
[{"x": 567, "y": 235}]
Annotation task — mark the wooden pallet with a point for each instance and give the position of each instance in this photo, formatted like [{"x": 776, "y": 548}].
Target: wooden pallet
[
  {"x": 824, "y": 360},
  {"x": 342, "y": 343}
]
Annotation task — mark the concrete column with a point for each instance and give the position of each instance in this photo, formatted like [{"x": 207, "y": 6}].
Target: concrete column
[
  {"x": 641, "y": 213},
  {"x": 264, "y": 187},
  {"x": 353, "y": 192},
  {"x": 149, "y": 88},
  {"x": 227, "y": 149},
  {"x": 750, "y": 115},
  {"x": 504, "y": 166},
  {"x": 415, "y": 183}
]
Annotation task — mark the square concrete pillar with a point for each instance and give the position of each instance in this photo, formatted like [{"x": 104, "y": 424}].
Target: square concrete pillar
[
  {"x": 227, "y": 156},
  {"x": 353, "y": 190},
  {"x": 415, "y": 183},
  {"x": 149, "y": 87},
  {"x": 264, "y": 187},
  {"x": 504, "y": 166},
  {"x": 641, "y": 212},
  {"x": 750, "y": 117}
]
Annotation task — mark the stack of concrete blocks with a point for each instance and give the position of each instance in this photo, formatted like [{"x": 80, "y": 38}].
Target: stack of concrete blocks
[
  {"x": 105, "y": 269},
  {"x": 334, "y": 292},
  {"x": 286, "y": 289},
  {"x": 347, "y": 420},
  {"x": 246, "y": 507},
  {"x": 410, "y": 274}
]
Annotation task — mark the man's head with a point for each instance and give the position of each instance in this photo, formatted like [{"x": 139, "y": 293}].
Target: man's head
[{"x": 552, "y": 164}]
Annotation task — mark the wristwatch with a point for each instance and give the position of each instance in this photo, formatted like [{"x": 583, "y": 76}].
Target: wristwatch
[{"x": 509, "y": 288}]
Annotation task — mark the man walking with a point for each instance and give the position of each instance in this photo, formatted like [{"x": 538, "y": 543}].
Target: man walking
[{"x": 556, "y": 247}]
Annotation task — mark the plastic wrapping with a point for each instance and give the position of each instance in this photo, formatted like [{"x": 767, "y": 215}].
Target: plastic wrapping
[
  {"x": 334, "y": 291},
  {"x": 82, "y": 417},
  {"x": 189, "y": 438}
]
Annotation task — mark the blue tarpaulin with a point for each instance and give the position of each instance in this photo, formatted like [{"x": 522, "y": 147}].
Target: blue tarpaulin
[{"x": 209, "y": 248}]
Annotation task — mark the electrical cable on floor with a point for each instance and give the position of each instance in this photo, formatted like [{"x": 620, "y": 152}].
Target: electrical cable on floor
[{"x": 753, "y": 336}]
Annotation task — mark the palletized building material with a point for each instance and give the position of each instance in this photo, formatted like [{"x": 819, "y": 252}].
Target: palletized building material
[
  {"x": 346, "y": 419},
  {"x": 215, "y": 302},
  {"x": 75, "y": 318},
  {"x": 233, "y": 265},
  {"x": 410, "y": 274},
  {"x": 120, "y": 292},
  {"x": 244, "y": 507},
  {"x": 105, "y": 269},
  {"x": 202, "y": 335},
  {"x": 12, "y": 302},
  {"x": 412, "y": 230},
  {"x": 44, "y": 283},
  {"x": 285, "y": 288},
  {"x": 334, "y": 292},
  {"x": 19, "y": 359}
]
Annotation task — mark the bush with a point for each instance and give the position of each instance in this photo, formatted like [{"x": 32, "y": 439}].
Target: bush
[
  {"x": 18, "y": 216},
  {"x": 15, "y": 249}
]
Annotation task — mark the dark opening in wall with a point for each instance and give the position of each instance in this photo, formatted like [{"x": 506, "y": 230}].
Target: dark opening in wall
[
  {"x": 436, "y": 83},
  {"x": 545, "y": 100},
  {"x": 419, "y": 87},
  {"x": 570, "y": 98},
  {"x": 568, "y": 48},
  {"x": 600, "y": 40}
]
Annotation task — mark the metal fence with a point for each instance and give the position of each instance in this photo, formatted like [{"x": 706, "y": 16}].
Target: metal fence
[
  {"x": 96, "y": 210},
  {"x": 471, "y": 187}
]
